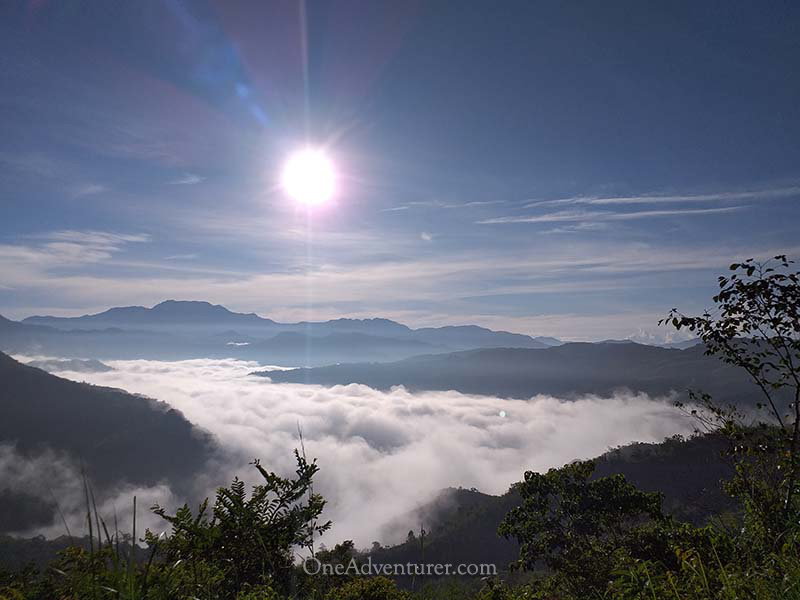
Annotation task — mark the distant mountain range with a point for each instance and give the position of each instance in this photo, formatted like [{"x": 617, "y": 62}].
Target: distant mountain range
[
  {"x": 567, "y": 370},
  {"x": 194, "y": 315},
  {"x": 115, "y": 436},
  {"x": 175, "y": 330}
]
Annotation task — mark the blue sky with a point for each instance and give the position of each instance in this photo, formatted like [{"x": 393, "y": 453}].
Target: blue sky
[{"x": 570, "y": 169}]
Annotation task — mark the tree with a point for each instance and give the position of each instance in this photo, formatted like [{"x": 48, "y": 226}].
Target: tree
[
  {"x": 373, "y": 588},
  {"x": 574, "y": 524},
  {"x": 249, "y": 541},
  {"x": 756, "y": 326}
]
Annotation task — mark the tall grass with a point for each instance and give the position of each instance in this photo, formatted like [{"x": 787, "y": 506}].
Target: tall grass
[{"x": 110, "y": 564}]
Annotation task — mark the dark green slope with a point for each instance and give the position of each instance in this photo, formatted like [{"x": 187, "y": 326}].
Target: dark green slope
[
  {"x": 462, "y": 524},
  {"x": 116, "y": 436}
]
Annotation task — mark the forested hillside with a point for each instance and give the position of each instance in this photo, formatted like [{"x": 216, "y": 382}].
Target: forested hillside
[
  {"x": 114, "y": 436},
  {"x": 461, "y": 525}
]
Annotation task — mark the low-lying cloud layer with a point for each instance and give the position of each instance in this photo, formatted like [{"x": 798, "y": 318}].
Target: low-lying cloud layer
[
  {"x": 384, "y": 453},
  {"x": 57, "y": 480}
]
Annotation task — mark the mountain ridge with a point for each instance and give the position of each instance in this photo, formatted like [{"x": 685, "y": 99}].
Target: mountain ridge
[
  {"x": 182, "y": 329},
  {"x": 461, "y": 525},
  {"x": 125, "y": 315},
  {"x": 182, "y": 310},
  {"x": 569, "y": 370}
]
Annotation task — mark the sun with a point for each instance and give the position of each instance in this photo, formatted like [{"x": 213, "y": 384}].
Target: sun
[{"x": 309, "y": 177}]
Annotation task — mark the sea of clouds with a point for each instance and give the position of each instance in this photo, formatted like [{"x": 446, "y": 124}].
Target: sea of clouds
[{"x": 382, "y": 453}]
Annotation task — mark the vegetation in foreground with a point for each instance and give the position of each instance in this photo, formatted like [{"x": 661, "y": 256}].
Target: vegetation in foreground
[{"x": 580, "y": 537}]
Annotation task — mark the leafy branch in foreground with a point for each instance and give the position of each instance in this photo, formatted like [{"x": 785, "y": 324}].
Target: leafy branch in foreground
[
  {"x": 249, "y": 540},
  {"x": 756, "y": 326}
]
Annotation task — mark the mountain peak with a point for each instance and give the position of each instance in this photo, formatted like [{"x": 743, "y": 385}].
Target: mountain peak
[
  {"x": 177, "y": 312},
  {"x": 186, "y": 306}
]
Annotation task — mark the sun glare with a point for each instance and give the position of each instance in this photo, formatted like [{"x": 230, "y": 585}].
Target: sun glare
[{"x": 309, "y": 177}]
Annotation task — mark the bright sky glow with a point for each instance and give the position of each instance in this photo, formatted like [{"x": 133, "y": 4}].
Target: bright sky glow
[
  {"x": 495, "y": 173},
  {"x": 309, "y": 177}
]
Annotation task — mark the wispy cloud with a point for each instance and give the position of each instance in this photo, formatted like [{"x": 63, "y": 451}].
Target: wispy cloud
[
  {"x": 647, "y": 214},
  {"x": 584, "y": 215},
  {"x": 767, "y": 194},
  {"x": 72, "y": 179},
  {"x": 469, "y": 204},
  {"x": 62, "y": 248},
  {"x": 580, "y": 227},
  {"x": 96, "y": 238},
  {"x": 36, "y": 164},
  {"x": 88, "y": 189},
  {"x": 181, "y": 257},
  {"x": 442, "y": 205},
  {"x": 187, "y": 179}
]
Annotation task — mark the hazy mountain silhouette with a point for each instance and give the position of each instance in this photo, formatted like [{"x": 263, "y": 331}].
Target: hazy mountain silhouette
[
  {"x": 564, "y": 371},
  {"x": 112, "y": 342},
  {"x": 297, "y": 348},
  {"x": 203, "y": 315},
  {"x": 169, "y": 312},
  {"x": 183, "y": 329},
  {"x": 70, "y": 364},
  {"x": 684, "y": 344}
]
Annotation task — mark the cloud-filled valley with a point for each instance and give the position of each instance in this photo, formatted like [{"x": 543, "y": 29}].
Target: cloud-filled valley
[{"x": 381, "y": 453}]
